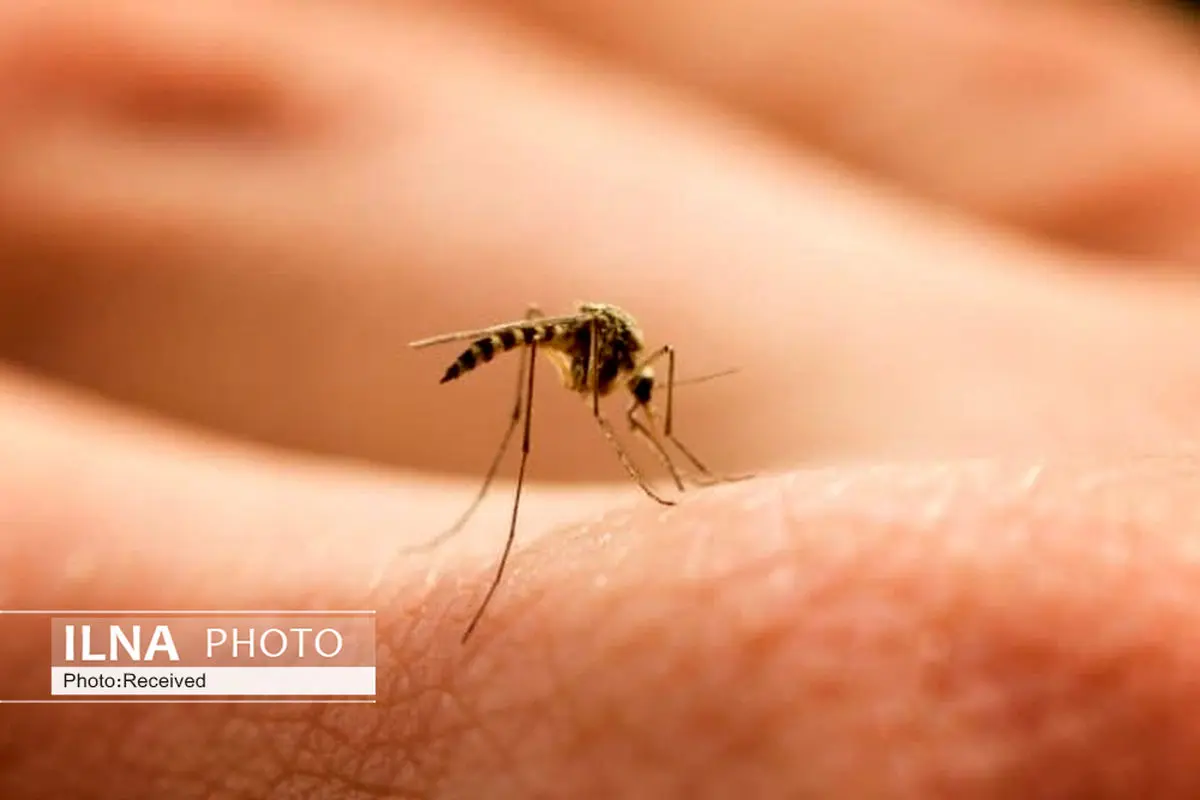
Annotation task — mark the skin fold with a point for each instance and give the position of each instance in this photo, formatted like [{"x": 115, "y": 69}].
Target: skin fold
[
  {"x": 966, "y": 567},
  {"x": 985, "y": 107}
]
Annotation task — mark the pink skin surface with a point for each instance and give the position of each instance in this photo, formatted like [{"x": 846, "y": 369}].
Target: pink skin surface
[{"x": 969, "y": 381}]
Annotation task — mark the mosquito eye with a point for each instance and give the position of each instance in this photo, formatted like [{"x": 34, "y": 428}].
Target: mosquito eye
[{"x": 643, "y": 387}]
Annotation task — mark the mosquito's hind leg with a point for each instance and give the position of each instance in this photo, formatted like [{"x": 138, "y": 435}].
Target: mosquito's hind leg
[
  {"x": 512, "y": 527},
  {"x": 532, "y": 312}
]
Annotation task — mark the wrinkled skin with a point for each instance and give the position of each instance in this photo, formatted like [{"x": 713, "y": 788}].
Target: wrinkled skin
[{"x": 952, "y": 253}]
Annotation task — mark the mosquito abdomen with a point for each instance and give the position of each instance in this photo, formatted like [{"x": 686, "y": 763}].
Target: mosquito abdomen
[{"x": 485, "y": 349}]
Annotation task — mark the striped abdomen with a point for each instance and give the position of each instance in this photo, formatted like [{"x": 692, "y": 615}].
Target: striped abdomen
[{"x": 485, "y": 349}]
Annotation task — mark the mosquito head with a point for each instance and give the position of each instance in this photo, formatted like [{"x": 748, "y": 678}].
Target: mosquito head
[{"x": 641, "y": 386}]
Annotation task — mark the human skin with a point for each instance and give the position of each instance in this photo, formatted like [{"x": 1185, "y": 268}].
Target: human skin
[
  {"x": 975, "y": 105},
  {"x": 967, "y": 567}
]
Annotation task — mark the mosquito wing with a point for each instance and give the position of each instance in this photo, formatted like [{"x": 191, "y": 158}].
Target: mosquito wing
[{"x": 506, "y": 326}]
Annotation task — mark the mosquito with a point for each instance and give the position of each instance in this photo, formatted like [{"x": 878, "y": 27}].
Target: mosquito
[{"x": 595, "y": 350}]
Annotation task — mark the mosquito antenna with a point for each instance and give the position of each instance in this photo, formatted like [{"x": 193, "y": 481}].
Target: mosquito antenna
[{"x": 705, "y": 378}]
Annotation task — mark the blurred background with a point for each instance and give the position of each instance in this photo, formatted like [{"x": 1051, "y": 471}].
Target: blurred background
[{"x": 235, "y": 216}]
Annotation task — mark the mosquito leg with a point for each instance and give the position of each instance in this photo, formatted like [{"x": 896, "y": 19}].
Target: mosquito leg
[
  {"x": 670, "y": 434},
  {"x": 593, "y": 382},
  {"x": 647, "y": 430},
  {"x": 593, "y": 375},
  {"x": 647, "y": 434},
  {"x": 627, "y": 463},
  {"x": 533, "y": 312},
  {"x": 512, "y": 527}
]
